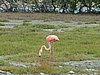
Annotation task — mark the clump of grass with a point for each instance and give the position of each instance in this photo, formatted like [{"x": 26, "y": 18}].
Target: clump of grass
[
  {"x": 44, "y": 26},
  {"x": 47, "y": 69},
  {"x": 26, "y": 24},
  {"x": 24, "y": 58},
  {"x": 92, "y": 22},
  {"x": 66, "y": 21},
  {"x": 79, "y": 23},
  {"x": 36, "y": 29},
  {"x": 77, "y": 57},
  {"x": 2, "y": 62},
  {"x": 2, "y": 24},
  {"x": 47, "y": 20},
  {"x": 62, "y": 26},
  {"x": 4, "y": 20},
  {"x": 26, "y": 21}
]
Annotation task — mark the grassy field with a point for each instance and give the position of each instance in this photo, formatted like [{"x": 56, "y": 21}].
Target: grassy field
[{"x": 24, "y": 42}]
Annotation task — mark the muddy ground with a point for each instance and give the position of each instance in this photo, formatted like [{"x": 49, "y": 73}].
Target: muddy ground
[{"x": 50, "y": 16}]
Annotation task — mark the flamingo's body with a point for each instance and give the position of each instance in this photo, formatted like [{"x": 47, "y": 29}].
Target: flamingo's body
[{"x": 50, "y": 39}]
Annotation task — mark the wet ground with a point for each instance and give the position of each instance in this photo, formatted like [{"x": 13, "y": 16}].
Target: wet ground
[
  {"x": 90, "y": 66},
  {"x": 87, "y": 65},
  {"x": 71, "y": 24}
]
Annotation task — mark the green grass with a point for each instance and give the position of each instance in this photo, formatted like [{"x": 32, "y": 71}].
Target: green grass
[
  {"x": 66, "y": 21},
  {"x": 4, "y": 20},
  {"x": 92, "y": 22},
  {"x": 77, "y": 44},
  {"x": 2, "y": 24}
]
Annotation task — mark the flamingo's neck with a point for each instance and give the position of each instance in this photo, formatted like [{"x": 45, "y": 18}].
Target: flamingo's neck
[
  {"x": 43, "y": 46},
  {"x": 49, "y": 45}
]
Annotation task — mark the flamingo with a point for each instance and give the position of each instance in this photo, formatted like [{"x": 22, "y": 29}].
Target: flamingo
[{"x": 50, "y": 39}]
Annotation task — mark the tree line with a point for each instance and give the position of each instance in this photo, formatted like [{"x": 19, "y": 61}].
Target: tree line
[{"x": 59, "y": 6}]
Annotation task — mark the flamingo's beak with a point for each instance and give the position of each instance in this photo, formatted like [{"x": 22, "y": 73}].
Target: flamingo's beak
[{"x": 57, "y": 39}]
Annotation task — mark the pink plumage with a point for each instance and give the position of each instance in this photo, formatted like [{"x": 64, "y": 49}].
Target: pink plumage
[{"x": 52, "y": 38}]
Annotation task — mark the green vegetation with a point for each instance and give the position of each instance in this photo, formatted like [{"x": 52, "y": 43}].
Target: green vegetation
[
  {"x": 66, "y": 21},
  {"x": 44, "y": 26},
  {"x": 28, "y": 27},
  {"x": 3, "y": 20},
  {"x": 24, "y": 41},
  {"x": 92, "y": 22},
  {"x": 30, "y": 70},
  {"x": 2, "y": 24}
]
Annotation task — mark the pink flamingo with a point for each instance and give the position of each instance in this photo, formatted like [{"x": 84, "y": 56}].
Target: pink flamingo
[{"x": 50, "y": 39}]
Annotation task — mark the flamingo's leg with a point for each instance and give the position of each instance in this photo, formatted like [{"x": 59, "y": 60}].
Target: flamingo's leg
[{"x": 40, "y": 52}]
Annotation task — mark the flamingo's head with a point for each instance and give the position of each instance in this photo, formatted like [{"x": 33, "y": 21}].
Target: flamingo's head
[{"x": 52, "y": 38}]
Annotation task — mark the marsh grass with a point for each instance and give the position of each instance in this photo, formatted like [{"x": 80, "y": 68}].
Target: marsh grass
[
  {"x": 91, "y": 22},
  {"x": 4, "y": 20},
  {"x": 44, "y": 26},
  {"x": 2, "y": 24},
  {"x": 79, "y": 23},
  {"x": 27, "y": 21},
  {"x": 66, "y": 21},
  {"x": 77, "y": 44},
  {"x": 63, "y": 26}
]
